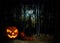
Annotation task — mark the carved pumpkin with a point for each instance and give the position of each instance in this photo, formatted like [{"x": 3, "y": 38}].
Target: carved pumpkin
[{"x": 12, "y": 32}]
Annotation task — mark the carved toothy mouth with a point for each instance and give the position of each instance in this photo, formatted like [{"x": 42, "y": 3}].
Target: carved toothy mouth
[{"x": 11, "y": 36}]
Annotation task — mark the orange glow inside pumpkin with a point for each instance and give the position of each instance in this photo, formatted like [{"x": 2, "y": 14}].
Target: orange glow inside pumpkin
[{"x": 12, "y": 32}]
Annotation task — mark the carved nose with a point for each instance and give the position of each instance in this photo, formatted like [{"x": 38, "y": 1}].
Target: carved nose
[{"x": 12, "y": 33}]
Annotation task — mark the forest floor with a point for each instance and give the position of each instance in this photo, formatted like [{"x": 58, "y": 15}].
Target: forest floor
[{"x": 42, "y": 38}]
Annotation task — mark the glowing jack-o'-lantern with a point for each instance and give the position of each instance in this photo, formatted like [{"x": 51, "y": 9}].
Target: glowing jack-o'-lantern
[{"x": 12, "y": 32}]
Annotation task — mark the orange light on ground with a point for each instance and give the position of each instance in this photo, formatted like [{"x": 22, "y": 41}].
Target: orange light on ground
[
  {"x": 23, "y": 36},
  {"x": 12, "y": 32},
  {"x": 31, "y": 38}
]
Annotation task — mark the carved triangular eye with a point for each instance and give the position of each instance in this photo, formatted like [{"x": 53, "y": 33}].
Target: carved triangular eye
[
  {"x": 8, "y": 30},
  {"x": 16, "y": 30}
]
